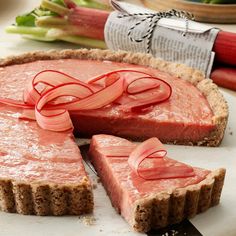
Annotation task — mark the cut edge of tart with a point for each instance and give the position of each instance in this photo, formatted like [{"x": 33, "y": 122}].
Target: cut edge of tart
[
  {"x": 43, "y": 198},
  {"x": 155, "y": 209},
  {"x": 206, "y": 86}
]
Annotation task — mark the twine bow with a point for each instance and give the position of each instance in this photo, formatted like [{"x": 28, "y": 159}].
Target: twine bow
[{"x": 153, "y": 19}]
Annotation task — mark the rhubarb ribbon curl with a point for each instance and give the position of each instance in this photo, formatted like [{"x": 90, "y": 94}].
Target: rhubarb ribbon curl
[
  {"x": 148, "y": 160},
  {"x": 52, "y": 95},
  {"x": 160, "y": 166}
]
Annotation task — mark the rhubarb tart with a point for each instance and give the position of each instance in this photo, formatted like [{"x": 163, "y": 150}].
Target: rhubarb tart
[
  {"x": 149, "y": 189},
  {"x": 120, "y": 93},
  {"x": 41, "y": 171}
]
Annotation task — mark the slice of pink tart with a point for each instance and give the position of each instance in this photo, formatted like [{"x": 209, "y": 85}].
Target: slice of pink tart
[
  {"x": 195, "y": 114},
  {"x": 41, "y": 172},
  {"x": 176, "y": 191}
]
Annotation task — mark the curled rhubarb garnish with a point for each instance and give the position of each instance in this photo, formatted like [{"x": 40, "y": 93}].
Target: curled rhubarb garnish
[
  {"x": 147, "y": 91},
  {"x": 52, "y": 95},
  {"x": 117, "y": 151},
  {"x": 148, "y": 160}
]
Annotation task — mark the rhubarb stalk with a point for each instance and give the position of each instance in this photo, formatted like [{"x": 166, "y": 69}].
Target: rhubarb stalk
[
  {"x": 225, "y": 48},
  {"x": 85, "y": 22},
  {"x": 66, "y": 21},
  {"x": 224, "y": 77}
]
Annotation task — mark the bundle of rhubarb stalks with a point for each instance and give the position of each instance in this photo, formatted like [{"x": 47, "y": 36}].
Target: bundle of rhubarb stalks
[{"x": 83, "y": 21}]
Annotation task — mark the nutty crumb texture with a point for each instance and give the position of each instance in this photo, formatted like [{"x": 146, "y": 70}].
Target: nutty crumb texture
[
  {"x": 88, "y": 220},
  {"x": 94, "y": 186},
  {"x": 46, "y": 199},
  {"x": 230, "y": 131},
  {"x": 184, "y": 203},
  {"x": 172, "y": 233}
]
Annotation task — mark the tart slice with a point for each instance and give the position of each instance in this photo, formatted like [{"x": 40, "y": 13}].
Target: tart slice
[
  {"x": 195, "y": 113},
  {"x": 41, "y": 172},
  {"x": 149, "y": 189}
]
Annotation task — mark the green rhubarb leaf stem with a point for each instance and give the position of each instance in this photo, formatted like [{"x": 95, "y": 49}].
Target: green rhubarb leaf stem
[
  {"x": 37, "y": 31},
  {"x": 47, "y": 21},
  {"x": 39, "y": 38},
  {"x": 44, "y": 34},
  {"x": 91, "y": 4},
  {"x": 54, "y": 7},
  {"x": 84, "y": 41}
]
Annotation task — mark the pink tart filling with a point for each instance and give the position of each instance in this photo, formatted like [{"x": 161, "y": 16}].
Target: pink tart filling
[
  {"x": 31, "y": 154},
  {"x": 124, "y": 186},
  {"x": 186, "y": 115}
]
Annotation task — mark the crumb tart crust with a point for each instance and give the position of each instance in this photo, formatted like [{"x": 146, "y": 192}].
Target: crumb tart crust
[
  {"x": 163, "y": 209},
  {"x": 195, "y": 77},
  {"x": 45, "y": 198}
]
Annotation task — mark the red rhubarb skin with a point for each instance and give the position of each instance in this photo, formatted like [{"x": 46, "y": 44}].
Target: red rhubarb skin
[
  {"x": 225, "y": 48},
  {"x": 29, "y": 153},
  {"x": 124, "y": 187},
  {"x": 86, "y": 24},
  {"x": 224, "y": 77},
  {"x": 185, "y": 116}
]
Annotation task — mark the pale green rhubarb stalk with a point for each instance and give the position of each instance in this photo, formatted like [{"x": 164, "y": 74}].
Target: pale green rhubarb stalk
[
  {"x": 71, "y": 23},
  {"x": 25, "y": 30},
  {"x": 54, "y": 7},
  {"x": 53, "y": 34}
]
